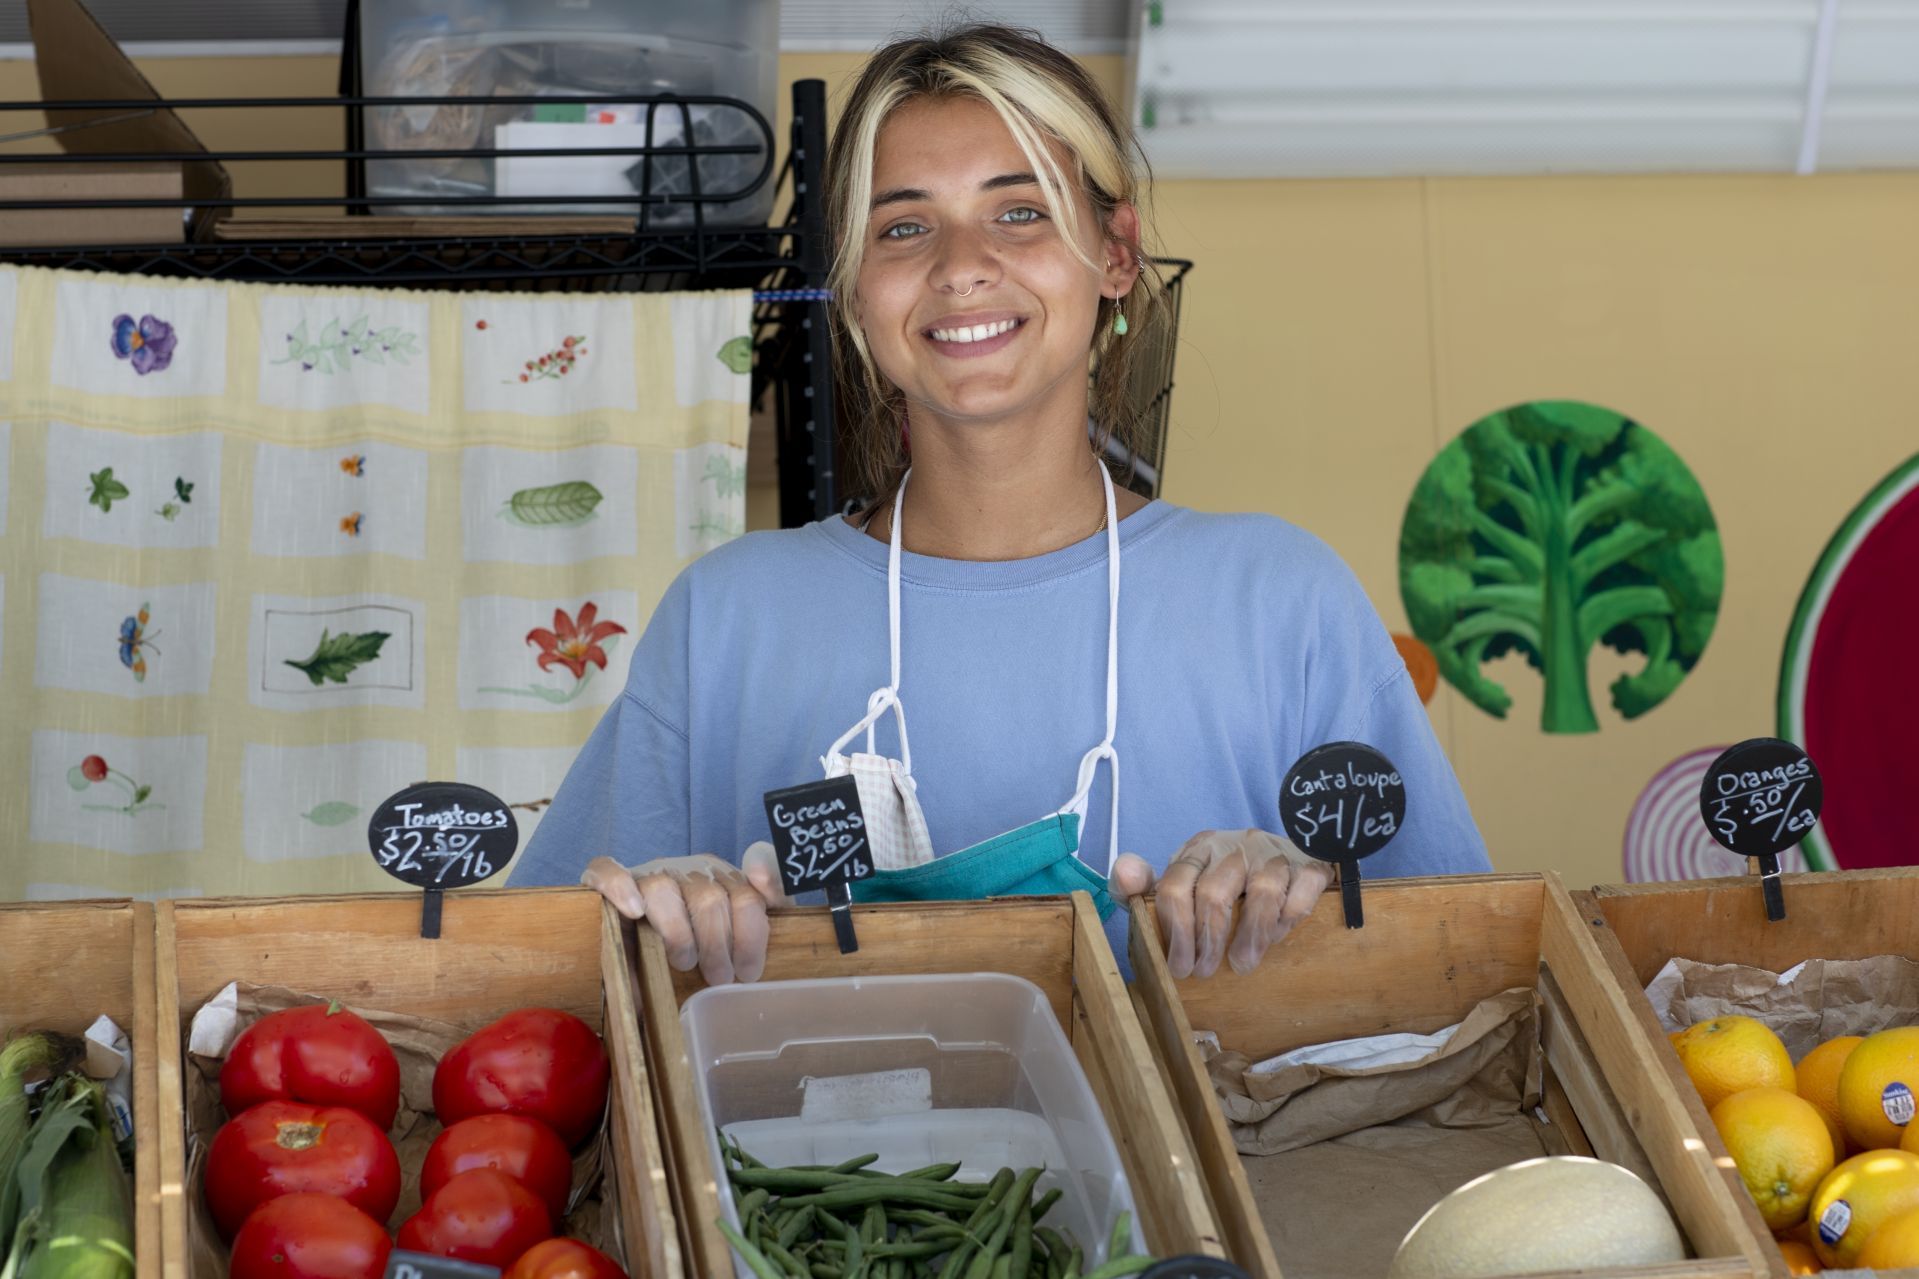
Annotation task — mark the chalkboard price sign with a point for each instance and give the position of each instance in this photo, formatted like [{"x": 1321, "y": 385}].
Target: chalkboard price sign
[
  {"x": 1341, "y": 802},
  {"x": 441, "y": 835},
  {"x": 819, "y": 838},
  {"x": 1759, "y": 799}
]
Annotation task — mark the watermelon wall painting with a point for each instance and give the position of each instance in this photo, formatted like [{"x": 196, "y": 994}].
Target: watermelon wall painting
[
  {"x": 1848, "y": 694},
  {"x": 1666, "y": 836}
]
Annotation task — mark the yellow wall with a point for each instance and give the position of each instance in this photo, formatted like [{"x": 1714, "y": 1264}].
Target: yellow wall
[{"x": 1336, "y": 334}]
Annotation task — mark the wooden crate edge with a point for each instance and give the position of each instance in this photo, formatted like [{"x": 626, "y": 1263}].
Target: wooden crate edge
[
  {"x": 1597, "y": 983},
  {"x": 645, "y": 1197},
  {"x": 1169, "y": 1171},
  {"x": 1248, "y": 1245}
]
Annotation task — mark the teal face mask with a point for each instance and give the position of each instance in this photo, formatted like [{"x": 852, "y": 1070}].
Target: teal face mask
[{"x": 1040, "y": 858}]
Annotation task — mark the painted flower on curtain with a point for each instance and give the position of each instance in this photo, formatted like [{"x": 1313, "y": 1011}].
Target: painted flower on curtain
[
  {"x": 578, "y": 644},
  {"x": 148, "y": 342}
]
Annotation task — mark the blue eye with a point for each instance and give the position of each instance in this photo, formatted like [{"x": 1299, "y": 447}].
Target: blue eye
[
  {"x": 1037, "y": 215},
  {"x": 887, "y": 234}
]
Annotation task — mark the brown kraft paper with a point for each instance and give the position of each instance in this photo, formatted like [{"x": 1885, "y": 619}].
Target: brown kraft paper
[
  {"x": 418, "y": 1043},
  {"x": 1818, "y": 1000},
  {"x": 1373, "y": 1149}
]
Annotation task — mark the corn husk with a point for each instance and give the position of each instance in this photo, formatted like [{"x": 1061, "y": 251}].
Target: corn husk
[
  {"x": 76, "y": 1213},
  {"x": 24, "y": 1059}
]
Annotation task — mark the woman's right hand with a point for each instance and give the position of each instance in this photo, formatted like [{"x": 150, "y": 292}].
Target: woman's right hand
[{"x": 708, "y": 912}]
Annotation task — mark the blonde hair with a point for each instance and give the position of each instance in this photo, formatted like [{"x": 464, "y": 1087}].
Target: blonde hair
[{"x": 1041, "y": 94}]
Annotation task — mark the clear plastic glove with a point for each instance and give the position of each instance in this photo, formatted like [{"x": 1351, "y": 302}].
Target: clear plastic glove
[
  {"x": 1206, "y": 880},
  {"x": 709, "y": 912}
]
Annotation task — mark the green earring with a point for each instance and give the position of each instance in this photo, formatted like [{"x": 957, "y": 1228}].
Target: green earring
[{"x": 1119, "y": 319}]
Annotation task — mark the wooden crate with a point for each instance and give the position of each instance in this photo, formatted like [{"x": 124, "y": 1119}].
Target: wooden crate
[
  {"x": 1431, "y": 950},
  {"x": 64, "y": 964},
  {"x": 1844, "y": 915},
  {"x": 498, "y": 950},
  {"x": 1054, "y": 942}
]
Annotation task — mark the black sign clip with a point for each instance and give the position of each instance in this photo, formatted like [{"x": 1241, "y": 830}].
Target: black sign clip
[
  {"x": 441, "y": 835},
  {"x": 819, "y": 840},
  {"x": 1759, "y": 799},
  {"x": 401, "y": 1264},
  {"x": 1341, "y": 802}
]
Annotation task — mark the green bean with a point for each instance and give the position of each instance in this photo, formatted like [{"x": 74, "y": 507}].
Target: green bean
[
  {"x": 1122, "y": 1236},
  {"x": 790, "y": 1180},
  {"x": 1045, "y": 1202},
  {"x": 873, "y": 1226},
  {"x": 1022, "y": 1249},
  {"x": 1017, "y": 1200},
  {"x": 918, "y": 1248},
  {"x": 854, "y": 1194},
  {"x": 787, "y": 1261},
  {"x": 826, "y": 1272},
  {"x": 1120, "y": 1267},
  {"x": 1056, "y": 1246},
  {"x": 1073, "y": 1263},
  {"x": 857, "y": 1162},
  {"x": 755, "y": 1260},
  {"x": 752, "y": 1202},
  {"x": 798, "y": 1220},
  {"x": 933, "y": 1172}
]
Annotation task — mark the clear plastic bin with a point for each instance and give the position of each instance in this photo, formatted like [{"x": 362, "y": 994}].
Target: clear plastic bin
[
  {"x": 724, "y": 48},
  {"x": 970, "y": 1069}
]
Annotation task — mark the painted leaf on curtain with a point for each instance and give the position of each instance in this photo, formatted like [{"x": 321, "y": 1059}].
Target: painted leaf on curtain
[
  {"x": 332, "y": 813},
  {"x": 554, "y": 506},
  {"x": 337, "y": 656},
  {"x": 106, "y": 489}
]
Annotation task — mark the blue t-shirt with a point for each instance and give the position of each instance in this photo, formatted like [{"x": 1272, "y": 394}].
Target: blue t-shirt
[{"x": 1244, "y": 642}]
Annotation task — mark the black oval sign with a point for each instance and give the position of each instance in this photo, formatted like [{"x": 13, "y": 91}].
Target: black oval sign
[
  {"x": 443, "y": 835},
  {"x": 1761, "y": 797},
  {"x": 1342, "y": 801}
]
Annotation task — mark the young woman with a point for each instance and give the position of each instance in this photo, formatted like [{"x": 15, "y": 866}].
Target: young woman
[{"x": 983, "y": 196}]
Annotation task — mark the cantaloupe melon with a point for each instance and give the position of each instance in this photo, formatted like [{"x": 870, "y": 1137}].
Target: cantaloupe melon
[{"x": 1559, "y": 1213}]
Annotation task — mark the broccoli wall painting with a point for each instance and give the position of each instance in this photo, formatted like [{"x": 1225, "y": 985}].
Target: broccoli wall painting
[{"x": 1552, "y": 528}]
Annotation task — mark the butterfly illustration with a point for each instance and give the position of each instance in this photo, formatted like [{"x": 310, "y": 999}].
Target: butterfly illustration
[
  {"x": 350, "y": 524},
  {"x": 354, "y": 464},
  {"x": 133, "y": 640}
]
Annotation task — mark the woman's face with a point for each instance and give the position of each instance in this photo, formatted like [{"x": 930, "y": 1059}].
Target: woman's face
[{"x": 971, "y": 301}]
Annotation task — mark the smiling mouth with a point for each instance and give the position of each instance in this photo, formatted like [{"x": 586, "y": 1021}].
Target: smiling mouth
[{"x": 975, "y": 333}]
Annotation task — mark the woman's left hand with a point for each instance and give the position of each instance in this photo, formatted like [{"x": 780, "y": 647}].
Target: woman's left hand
[{"x": 1207, "y": 879}]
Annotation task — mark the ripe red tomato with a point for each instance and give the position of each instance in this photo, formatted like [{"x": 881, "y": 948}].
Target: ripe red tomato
[
  {"x": 483, "y": 1215},
  {"x": 309, "y": 1236},
  {"x": 561, "y": 1259},
  {"x": 524, "y": 1149},
  {"x": 280, "y": 1147},
  {"x": 537, "y": 1061},
  {"x": 319, "y": 1053}
]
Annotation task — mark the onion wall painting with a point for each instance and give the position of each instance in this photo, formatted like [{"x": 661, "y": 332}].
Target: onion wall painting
[
  {"x": 1552, "y": 528},
  {"x": 1666, "y": 836},
  {"x": 1847, "y": 695}
]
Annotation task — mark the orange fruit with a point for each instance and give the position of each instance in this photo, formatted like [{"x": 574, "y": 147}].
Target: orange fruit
[
  {"x": 1731, "y": 1054},
  {"x": 1800, "y": 1258},
  {"x": 1818, "y": 1074},
  {"x": 1894, "y": 1246},
  {"x": 1779, "y": 1142},
  {"x": 1877, "y": 1088},
  {"x": 1858, "y": 1197}
]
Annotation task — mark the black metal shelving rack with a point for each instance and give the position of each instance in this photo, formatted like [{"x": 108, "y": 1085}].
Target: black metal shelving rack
[{"x": 786, "y": 262}]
